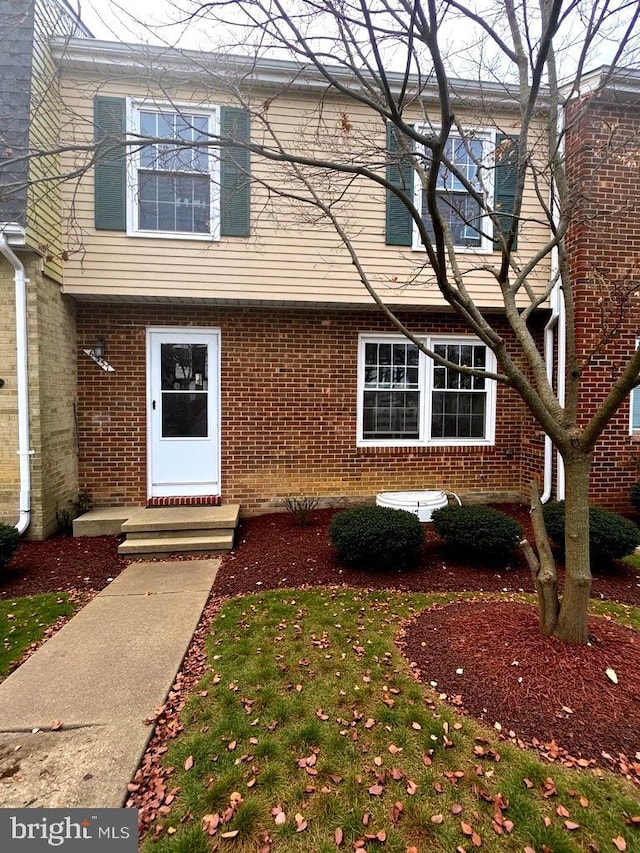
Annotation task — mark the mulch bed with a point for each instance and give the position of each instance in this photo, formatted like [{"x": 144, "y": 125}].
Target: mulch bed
[
  {"x": 62, "y": 563},
  {"x": 481, "y": 638},
  {"x": 490, "y": 659},
  {"x": 272, "y": 551}
]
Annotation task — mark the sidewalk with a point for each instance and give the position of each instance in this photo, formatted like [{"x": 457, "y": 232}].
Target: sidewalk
[{"x": 100, "y": 676}]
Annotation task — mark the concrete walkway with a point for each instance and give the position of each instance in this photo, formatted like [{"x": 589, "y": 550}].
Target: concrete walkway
[{"x": 100, "y": 676}]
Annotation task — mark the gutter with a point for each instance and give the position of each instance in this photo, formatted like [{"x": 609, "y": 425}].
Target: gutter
[{"x": 15, "y": 231}]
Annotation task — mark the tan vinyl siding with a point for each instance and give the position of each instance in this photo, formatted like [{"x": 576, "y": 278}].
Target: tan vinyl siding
[
  {"x": 291, "y": 255},
  {"x": 44, "y": 228}
]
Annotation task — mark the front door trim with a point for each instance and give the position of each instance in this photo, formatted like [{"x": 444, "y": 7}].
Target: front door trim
[{"x": 214, "y": 389}]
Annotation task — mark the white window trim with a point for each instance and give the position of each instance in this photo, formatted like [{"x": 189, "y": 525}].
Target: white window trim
[
  {"x": 633, "y": 430},
  {"x": 488, "y": 137},
  {"x": 133, "y": 162},
  {"x": 425, "y": 378}
]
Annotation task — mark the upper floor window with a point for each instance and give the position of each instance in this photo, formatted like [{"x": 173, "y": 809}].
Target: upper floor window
[
  {"x": 173, "y": 185},
  {"x": 470, "y": 227},
  {"x": 405, "y": 398}
]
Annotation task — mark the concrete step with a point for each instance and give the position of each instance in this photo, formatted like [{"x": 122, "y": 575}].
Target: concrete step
[
  {"x": 220, "y": 541},
  {"x": 103, "y": 521},
  {"x": 155, "y": 519},
  {"x": 133, "y": 535}
]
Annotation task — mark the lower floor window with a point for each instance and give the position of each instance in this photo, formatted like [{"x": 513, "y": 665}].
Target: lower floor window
[
  {"x": 407, "y": 398},
  {"x": 635, "y": 404}
]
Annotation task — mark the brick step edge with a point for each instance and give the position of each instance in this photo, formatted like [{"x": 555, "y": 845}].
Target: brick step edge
[{"x": 186, "y": 500}]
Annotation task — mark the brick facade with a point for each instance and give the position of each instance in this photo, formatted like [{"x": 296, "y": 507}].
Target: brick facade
[
  {"x": 288, "y": 398},
  {"x": 603, "y": 157},
  {"x": 52, "y": 396},
  {"x": 9, "y": 469}
]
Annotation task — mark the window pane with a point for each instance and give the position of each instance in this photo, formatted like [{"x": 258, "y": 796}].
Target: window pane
[
  {"x": 461, "y": 213},
  {"x": 458, "y": 415},
  {"x": 458, "y": 401},
  {"x": 171, "y": 203},
  {"x": 184, "y": 367},
  {"x": 184, "y": 415},
  {"x": 391, "y": 414},
  {"x": 635, "y": 409}
]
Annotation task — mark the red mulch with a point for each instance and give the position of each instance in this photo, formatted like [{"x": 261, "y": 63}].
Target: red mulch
[
  {"x": 490, "y": 659},
  {"x": 483, "y": 639},
  {"x": 272, "y": 551},
  {"x": 62, "y": 563}
]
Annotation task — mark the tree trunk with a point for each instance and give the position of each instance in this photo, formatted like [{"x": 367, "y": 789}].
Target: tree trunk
[
  {"x": 572, "y": 619},
  {"x": 543, "y": 567}
]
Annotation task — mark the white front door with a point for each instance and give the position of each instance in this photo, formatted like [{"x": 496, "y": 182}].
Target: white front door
[{"x": 183, "y": 406}]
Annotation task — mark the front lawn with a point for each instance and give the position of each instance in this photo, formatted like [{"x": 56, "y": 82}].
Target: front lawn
[
  {"x": 311, "y": 734},
  {"x": 24, "y": 621}
]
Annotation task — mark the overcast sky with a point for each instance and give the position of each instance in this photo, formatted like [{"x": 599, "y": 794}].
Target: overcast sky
[{"x": 113, "y": 20}]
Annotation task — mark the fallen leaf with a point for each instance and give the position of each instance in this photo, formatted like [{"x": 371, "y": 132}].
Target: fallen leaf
[
  {"x": 476, "y": 840},
  {"x": 437, "y": 818},
  {"x": 338, "y": 836},
  {"x": 56, "y": 725},
  {"x": 467, "y": 830},
  {"x": 571, "y": 825},
  {"x": 232, "y": 833},
  {"x": 280, "y": 819},
  {"x": 456, "y": 809},
  {"x": 376, "y": 790},
  {"x": 188, "y": 763},
  {"x": 411, "y": 788},
  {"x": 611, "y": 675},
  {"x": 562, "y": 812},
  {"x": 620, "y": 843}
]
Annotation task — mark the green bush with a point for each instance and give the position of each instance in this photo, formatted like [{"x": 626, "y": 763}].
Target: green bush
[
  {"x": 635, "y": 497},
  {"x": 376, "y": 536},
  {"x": 611, "y": 536},
  {"x": 478, "y": 531},
  {"x": 9, "y": 537}
]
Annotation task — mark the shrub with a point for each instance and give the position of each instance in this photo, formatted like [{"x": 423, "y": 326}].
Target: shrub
[
  {"x": 300, "y": 508},
  {"x": 376, "y": 536},
  {"x": 9, "y": 537},
  {"x": 478, "y": 531},
  {"x": 611, "y": 536},
  {"x": 72, "y": 509},
  {"x": 635, "y": 497}
]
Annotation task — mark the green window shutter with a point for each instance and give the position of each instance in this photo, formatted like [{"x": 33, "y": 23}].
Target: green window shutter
[
  {"x": 111, "y": 166},
  {"x": 505, "y": 180},
  {"x": 235, "y": 179},
  {"x": 399, "y": 226}
]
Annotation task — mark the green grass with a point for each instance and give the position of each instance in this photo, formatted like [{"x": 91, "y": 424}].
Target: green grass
[
  {"x": 309, "y": 705},
  {"x": 23, "y": 621}
]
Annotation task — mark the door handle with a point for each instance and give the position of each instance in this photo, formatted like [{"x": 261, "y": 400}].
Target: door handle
[{"x": 153, "y": 405}]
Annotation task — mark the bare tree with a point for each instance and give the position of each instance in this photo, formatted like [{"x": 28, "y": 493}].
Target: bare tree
[
  {"x": 436, "y": 167},
  {"x": 435, "y": 146}
]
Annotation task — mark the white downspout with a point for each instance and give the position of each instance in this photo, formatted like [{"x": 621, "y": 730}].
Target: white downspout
[
  {"x": 558, "y": 318},
  {"x": 22, "y": 379},
  {"x": 547, "y": 482}
]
